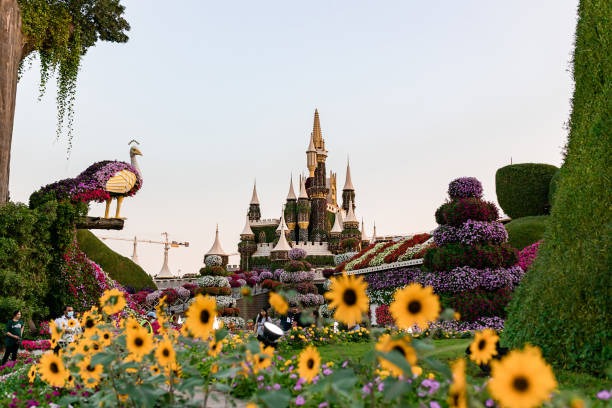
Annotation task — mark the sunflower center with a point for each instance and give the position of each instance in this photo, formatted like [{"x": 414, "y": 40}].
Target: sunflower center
[
  {"x": 204, "y": 316},
  {"x": 54, "y": 368},
  {"x": 138, "y": 342},
  {"x": 349, "y": 297},
  {"x": 520, "y": 384},
  {"x": 481, "y": 344},
  {"x": 310, "y": 363},
  {"x": 90, "y": 368},
  {"x": 401, "y": 350},
  {"x": 166, "y": 352},
  {"x": 414, "y": 306},
  {"x": 89, "y": 323}
]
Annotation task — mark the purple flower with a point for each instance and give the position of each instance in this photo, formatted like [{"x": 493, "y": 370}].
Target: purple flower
[
  {"x": 299, "y": 400},
  {"x": 296, "y": 254},
  {"x": 604, "y": 395},
  {"x": 434, "y": 404},
  {"x": 276, "y": 387},
  {"x": 381, "y": 387},
  {"x": 465, "y": 187},
  {"x": 323, "y": 405},
  {"x": 471, "y": 232},
  {"x": 327, "y": 371},
  {"x": 489, "y": 403}
]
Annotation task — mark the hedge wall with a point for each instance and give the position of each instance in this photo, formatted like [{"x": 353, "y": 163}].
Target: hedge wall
[
  {"x": 563, "y": 304},
  {"x": 525, "y": 231},
  {"x": 120, "y": 268},
  {"x": 522, "y": 189}
]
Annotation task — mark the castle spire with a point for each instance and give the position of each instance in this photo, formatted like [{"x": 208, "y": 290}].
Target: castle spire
[
  {"x": 364, "y": 236},
  {"x": 247, "y": 231},
  {"x": 216, "y": 248},
  {"x": 254, "y": 198},
  {"x": 337, "y": 228},
  {"x": 350, "y": 216},
  {"x": 373, "y": 240},
  {"x": 348, "y": 185},
  {"x": 291, "y": 195},
  {"x": 303, "y": 193},
  {"x": 317, "y": 136}
]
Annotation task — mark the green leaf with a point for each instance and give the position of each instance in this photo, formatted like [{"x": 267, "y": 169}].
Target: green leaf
[
  {"x": 398, "y": 360},
  {"x": 221, "y": 334},
  {"x": 278, "y": 399}
]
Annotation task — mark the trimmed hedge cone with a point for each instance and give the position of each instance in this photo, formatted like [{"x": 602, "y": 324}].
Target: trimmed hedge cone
[{"x": 522, "y": 189}]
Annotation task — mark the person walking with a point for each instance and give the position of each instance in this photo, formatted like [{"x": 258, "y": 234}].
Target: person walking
[
  {"x": 70, "y": 327},
  {"x": 261, "y": 318},
  {"x": 12, "y": 339}
]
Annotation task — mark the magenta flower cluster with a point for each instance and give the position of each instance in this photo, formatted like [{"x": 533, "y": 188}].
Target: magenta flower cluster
[
  {"x": 471, "y": 232},
  {"x": 296, "y": 277},
  {"x": 528, "y": 254},
  {"x": 465, "y": 187}
]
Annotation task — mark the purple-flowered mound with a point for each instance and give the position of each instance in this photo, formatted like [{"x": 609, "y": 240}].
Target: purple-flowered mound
[
  {"x": 471, "y": 232},
  {"x": 465, "y": 187},
  {"x": 457, "y": 280}
]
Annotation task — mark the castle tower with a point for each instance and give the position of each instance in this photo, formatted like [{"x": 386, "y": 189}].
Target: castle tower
[
  {"x": 254, "y": 212},
  {"x": 317, "y": 184},
  {"x": 351, "y": 236},
  {"x": 373, "y": 240},
  {"x": 217, "y": 250},
  {"x": 303, "y": 212},
  {"x": 348, "y": 192},
  {"x": 281, "y": 251},
  {"x": 291, "y": 212},
  {"x": 335, "y": 233},
  {"x": 246, "y": 246},
  {"x": 364, "y": 237}
]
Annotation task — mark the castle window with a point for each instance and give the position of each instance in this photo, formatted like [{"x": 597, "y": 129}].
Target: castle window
[{"x": 262, "y": 237}]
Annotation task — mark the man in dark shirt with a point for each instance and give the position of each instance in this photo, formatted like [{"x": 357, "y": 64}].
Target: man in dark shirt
[{"x": 14, "y": 333}]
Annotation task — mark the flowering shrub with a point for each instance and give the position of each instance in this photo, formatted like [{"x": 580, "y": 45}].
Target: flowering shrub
[
  {"x": 213, "y": 260},
  {"x": 528, "y": 254},
  {"x": 232, "y": 322},
  {"x": 183, "y": 293},
  {"x": 477, "y": 256},
  {"x": 340, "y": 258},
  {"x": 270, "y": 284},
  {"x": 457, "y": 212},
  {"x": 153, "y": 297},
  {"x": 307, "y": 299},
  {"x": 480, "y": 303},
  {"x": 228, "y": 311},
  {"x": 471, "y": 232},
  {"x": 328, "y": 272},
  {"x": 220, "y": 281},
  {"x": 383, "y": 316},
  {"x": 296, "y": 277},
  {"x": 265, "y": 275},
  {"x": 465, "y": 187},
  {"x": 410, "y": 242},
  {"x": 364, "y": 261},
  {"x": 296, "y": 254},
  {"x": 191, "y": 287},
  {"x": 170, "y": 294},
  {"x": 306, "y": 287},
  {"x": 36, "y": 344},
  {"x": 294, "y": 266},
  {"x": 225, "y": 301}
]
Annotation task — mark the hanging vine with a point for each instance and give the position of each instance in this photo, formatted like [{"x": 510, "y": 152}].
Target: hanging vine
[{"x": 60, "y": 32}]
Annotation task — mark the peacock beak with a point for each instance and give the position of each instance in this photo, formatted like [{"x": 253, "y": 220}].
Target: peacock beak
[{"x": 135, "y": 151}]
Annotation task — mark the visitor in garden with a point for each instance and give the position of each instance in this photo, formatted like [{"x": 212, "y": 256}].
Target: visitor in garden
[
  {"x": 12, "y": 339},
  {"x": 153, "y": 324},
  {"x": 261, "y": 318},
  {"x": 69, "y": 325}
]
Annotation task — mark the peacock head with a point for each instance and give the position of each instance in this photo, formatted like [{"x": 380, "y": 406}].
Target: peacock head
[{"x": 134, "y": 151}]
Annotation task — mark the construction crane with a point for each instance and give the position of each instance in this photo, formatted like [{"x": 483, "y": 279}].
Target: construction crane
[{"x": 165, "y": 270}]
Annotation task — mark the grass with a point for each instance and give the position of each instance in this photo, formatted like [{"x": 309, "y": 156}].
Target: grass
[
  {"x": 447, "y": 350},
  {"x": 525, "y": 231}
]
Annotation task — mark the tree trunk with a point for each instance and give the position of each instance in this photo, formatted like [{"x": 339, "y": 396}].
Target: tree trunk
[
  {"x": 100, "y": 223},
  {"x": 12, "y": 44}
]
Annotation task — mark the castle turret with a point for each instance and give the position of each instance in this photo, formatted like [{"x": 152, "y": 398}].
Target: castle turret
[
  {"x": 317, "y": 187},
  {"x": 291, "y": 212},
  {"x": 335, "y": 233},
  {"x": 303, "y": 212},
  {"x": 373, "y": 239},
  {"x": 348, "y": 192},
  {"x": 364, "y": 237},
  {"x": 247, "y": 245},
  {"x": 351, "y": 236},
  {"x": 311, "y": 157},
  {"x": 216, "y": 249},
  {"x": 281, "y": 250},
  {"x": 254, "y": 210}
]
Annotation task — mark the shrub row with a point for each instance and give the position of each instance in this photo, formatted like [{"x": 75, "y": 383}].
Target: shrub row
[
  {"x": 478, "y": 256},
  {"x": 479, "y": 303}
]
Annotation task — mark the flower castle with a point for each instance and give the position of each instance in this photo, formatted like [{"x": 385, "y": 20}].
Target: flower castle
[{"x": 312, "y": 220}]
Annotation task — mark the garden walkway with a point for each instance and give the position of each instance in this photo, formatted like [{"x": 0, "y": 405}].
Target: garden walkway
[{"x": 219, "y": 400}]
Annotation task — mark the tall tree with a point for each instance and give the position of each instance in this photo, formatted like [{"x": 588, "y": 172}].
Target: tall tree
[{"x": 60, "y": 32}]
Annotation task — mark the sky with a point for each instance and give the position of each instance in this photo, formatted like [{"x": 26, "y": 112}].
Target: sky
[{"x": 219, "y": 94}]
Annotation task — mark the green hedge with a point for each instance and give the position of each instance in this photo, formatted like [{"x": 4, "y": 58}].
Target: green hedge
[
  {"x": 120, "y": 268},
  {"x": 522, "y": 189},
  {"x": 553, "y": 186},
  {"x": 563, "y": 303},
  {"x": 320, "y": 260},
  {"x": 525, "y": 231}
]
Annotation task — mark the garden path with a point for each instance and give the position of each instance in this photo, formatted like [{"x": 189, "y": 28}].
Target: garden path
[{"x": 219, "y": 400}]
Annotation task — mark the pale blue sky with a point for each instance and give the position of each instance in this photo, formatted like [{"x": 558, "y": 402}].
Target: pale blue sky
[{"x": 220, "y": 93}]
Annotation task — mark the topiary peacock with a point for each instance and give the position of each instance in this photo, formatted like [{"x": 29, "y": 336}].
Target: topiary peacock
[{"x": 102, "y": 181}]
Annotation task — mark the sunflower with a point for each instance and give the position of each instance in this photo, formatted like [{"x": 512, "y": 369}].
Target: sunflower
[
  {"x": 105, "y": 337},
  {"x": 56, "y": 333},
  {"x": 32, "y": 373},
  {"x": 89, "y": 321},
  {"x": 309, "y": 363},
  {"x": 164, "y": 353},
  {"x": 69, "y": 382},
  {"x": 278, "y": 303},
  {"x": 200, "y": 316},
  {"x": 263, "y": 359},
  {"x": 138, "y": 342},
  {"x": 131, "y": 324},
  {"x": 457, "y": 394},
  {"x": 90, "y": 374},
  {"x": 402, "y": 345},
  {"x": 522, "y": 379},
  {"x": 414, "y": 304},
  {"x": 483, "y": 348},
  {"x": 52, "y": 370},
  {"x": 112, "y": 301},
  {"x": 252, "y": 405},
  {"x": 155, "y": 369},
  {"x": 215, "y": 347},
  {"x": 72, "y": 323},
  {"x": 348, "y": 296}
]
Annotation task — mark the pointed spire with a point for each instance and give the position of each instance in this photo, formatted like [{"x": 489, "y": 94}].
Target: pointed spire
[
  {"x": 291, "y": 195},
  {"x": 303, "y": 193},
  {"x": 364, "y": 237},
  {"x": 311, "y": 145},
  {"x": 374, "y": 234},
  {"x": 134, "y": 253},
  {"x": 317, "y": 136},
  {"x": 282, "y": 226},
  {"x": 254, "y": 198},
  {"x": 350, "y": 216},
  {"x": 247, "y": 231},
  {"x": 282, "y": 244},
  {"x": 165, "y": 270},
  {"x": 337, "y": 228},
  {"x": 348, "y": 185},
  {"x": 216, "y": 248}
]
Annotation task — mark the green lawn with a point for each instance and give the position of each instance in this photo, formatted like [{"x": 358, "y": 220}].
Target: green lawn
[{"x": 450, "y": 349}]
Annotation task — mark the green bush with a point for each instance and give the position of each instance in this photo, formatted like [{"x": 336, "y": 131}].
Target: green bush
[
  {"x": 525, "y": 231},
  {"x": 522, "y": 189},
  {"x": 563, "y": 303},
  {"x": 478, "y": 256},
  {"x": 120, "y": 268},
  {"x": 552, "y": 187}
]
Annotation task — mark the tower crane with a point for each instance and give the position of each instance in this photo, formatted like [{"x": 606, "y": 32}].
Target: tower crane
[{"x": 165, "y": 270}]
